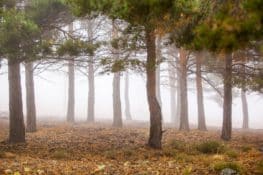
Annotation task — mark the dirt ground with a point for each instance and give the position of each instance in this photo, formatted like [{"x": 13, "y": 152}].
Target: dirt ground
[{"x": 60, "y": 148}]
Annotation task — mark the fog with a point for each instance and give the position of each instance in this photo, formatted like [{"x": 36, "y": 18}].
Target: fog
[{"x": 51, "y": 99}]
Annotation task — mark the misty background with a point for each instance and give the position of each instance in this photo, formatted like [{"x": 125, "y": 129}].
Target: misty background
[{"x": 51, "y": 99}]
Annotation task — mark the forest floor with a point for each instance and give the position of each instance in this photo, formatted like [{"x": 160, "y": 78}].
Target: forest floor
[{"x": 59, "y": 148}]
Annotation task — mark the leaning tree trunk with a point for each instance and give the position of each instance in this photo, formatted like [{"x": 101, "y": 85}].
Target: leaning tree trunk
[
  {"x": 155, "y": 138},
  {"x": 158, "y": 70},
  {"x": 184, "y": 123},
  {"x": 91, "y": 93},
  {"x": 126, "y": 96},
  {"x": 245, "y": 109},
  {"x": 16, "y": 121},
  {"x": 227, "y": 108},
  {"x": 71, "y": 92},
  {"x": 200, "y": 100},
  {"x": 30, "y": 98}
]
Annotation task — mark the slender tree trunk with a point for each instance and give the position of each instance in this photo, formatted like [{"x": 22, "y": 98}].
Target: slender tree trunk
[
  {"x": 30, "y": 98},
  {"x": 117, "y": 111},
  {"x": 245, "y": 109},
  {"x": 155, "y": 138},
  {"x": 16, "y": 121},
  {"x": 158, "y": 70},
  {"x": 184, "y": 123},
  {"x": 71, "y": 92},
  {"x": 91, "y": 94},
  {"x": 200, "y": 100},
  {"x": 117, "y": 114},
  {"x": 227, "y": 108},
  {"x": 91, "y": 72},
  {"x": 178, "y": 98},
  {"x": 127, "y": 99},
  {"x": 171, "y": 71},
  {"x": 71, "y": 87}
]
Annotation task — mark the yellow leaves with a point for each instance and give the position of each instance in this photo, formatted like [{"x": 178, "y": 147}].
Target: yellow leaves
[{"x": 99, "y": 169}]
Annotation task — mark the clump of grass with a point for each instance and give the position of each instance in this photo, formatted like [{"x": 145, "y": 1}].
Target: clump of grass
[
  {"x": 2, "y": 154},
  {"x": 111, "y": 154},
  {"x": 232, "y": 154},
  {"x": 176, "y": 144},
  {"x": 127, "y": 153},
  {"x": 169, "y": 152},
  {"x": 60, "y": 154},
  {"x": 259, "y": 168},
  {"x": 246, "y": 148},
  {"x": 210, "y": 147},
  {"x": 219, "y": 166}
]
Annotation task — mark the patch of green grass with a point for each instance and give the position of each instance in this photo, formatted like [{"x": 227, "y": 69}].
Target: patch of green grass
[
  {"x": 210, "y": 147},
  {"x": 2, "y": 154},
  {"x": 127, "y": 153},
  {"x": 60, "y": 154},
  {"x": 176, "y": 144},
  {"x": 232, "y": 154},
  {"x": 219, "y": 166}
]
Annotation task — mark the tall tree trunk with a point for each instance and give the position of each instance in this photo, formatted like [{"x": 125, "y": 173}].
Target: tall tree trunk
[
  {"x": 184, "y": 123},
  {"x": 178, "y": 98},
  {"x": 91, "y": 72},
  {"x": 71, "y": 92},
  {"x": 91, "y": 94},
  {"x": 71, "y": 87},
  {"x": 16, "y": 121},
  {"x": 158, "y": 70},
  {"x": 227, "y": 108},
  {"x": 171, "y": 71},
  {"x": 126, "y": 95},
  {"x": 199, "y": 87},
  {"x": 155, "y": 138},
  {"x": 117, "y": 111},
  {"x": 30, "y": 98},
  {"x": 245, "y": 109},
  {"x": 117, "y": 114}
]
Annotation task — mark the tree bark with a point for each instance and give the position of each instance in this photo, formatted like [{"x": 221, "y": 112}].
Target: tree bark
[
  {"x": 91, "y": 72},
  {"x": 126, "y": 96},
  {"x": 184, "y": 123},
  {"x": 200, "y": 100},
  {"x": 16, "y": 121},
  {"x": 117, "y": 114},
  {"x": 178, "y": 99},
  {"x": 117, "y": 111},
  {"x": 71, "y": 92},
  {"x": 155, "y": 138},
  {"x": 245, "y": 109},
  {"x": 158, "y": 70},
  {"x": 30, "y": 98},
  {"x": 227, "y": 107}
]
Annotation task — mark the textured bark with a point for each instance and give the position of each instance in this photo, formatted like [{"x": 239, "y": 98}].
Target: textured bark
[
  {"x": 227, "y": 107},
  {"x": 91, "y": 72},
  {"x": 117, "y": 114},
  {"x": 245, "y": 109},
  {"x": 178, "y": 98},
  {"x": 200, "y": 100},
  {"x": 172, "y": 80},
  {"x": 117, "y": 111},
  {"x": 184, "y": 123},
  {"x": 16, "y": 121},
  {"x": 127, "y": 98},
  {"x": 91, "y": 93},
  {"x": 158, "y": 70},
  {"x": 71, "y": 87},
  {"x": 154, "y": 107},
  {"x": 30, "y": 98},
  {"x": 71, "y": 92}
]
